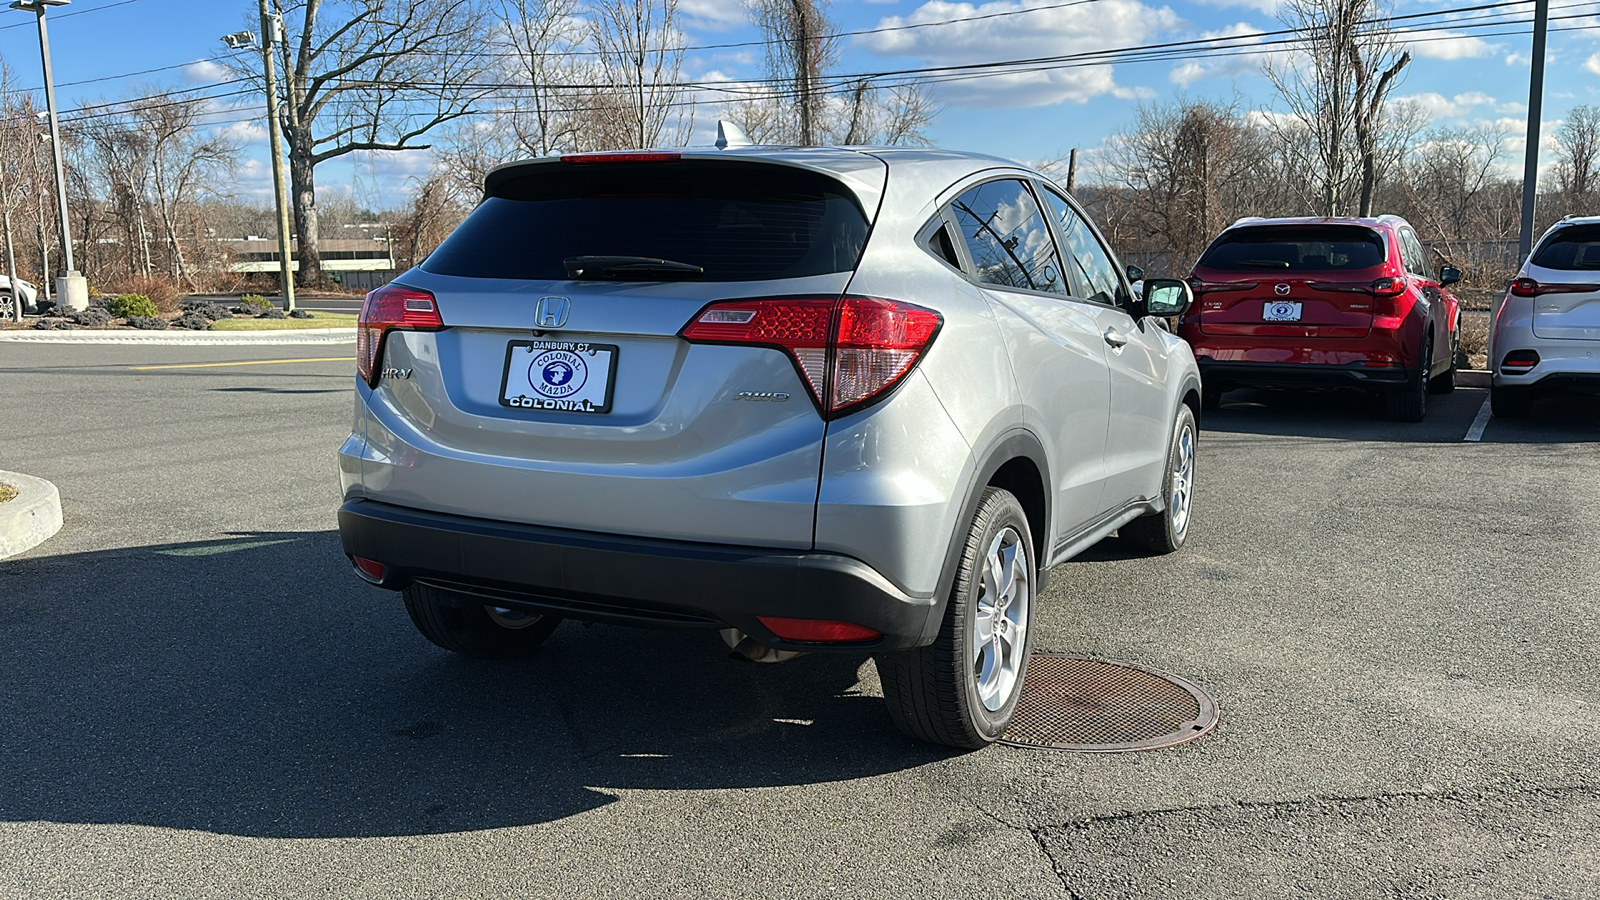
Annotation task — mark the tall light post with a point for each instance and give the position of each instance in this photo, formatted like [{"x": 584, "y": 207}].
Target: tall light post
[
  {"x": 72, "y": 291},
  {"x": 271, "y": 30}
]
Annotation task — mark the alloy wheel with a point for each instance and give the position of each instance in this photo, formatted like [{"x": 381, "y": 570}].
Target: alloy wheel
[{"x": 1000, "y": 625}]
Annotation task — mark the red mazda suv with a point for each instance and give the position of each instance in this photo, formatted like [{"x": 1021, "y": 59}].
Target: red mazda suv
[{"x": 1324, "y": 303}]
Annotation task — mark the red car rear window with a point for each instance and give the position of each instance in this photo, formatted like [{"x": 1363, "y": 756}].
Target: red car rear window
[{"x": 1297, "y": 248}]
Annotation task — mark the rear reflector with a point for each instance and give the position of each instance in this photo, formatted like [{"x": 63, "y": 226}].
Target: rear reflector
[
  {"x": 371, "y": 570},
  {"x": 623, "y": 156},
  {"x": 1519, "y": 361},
  {"x": 818, "y": 631}
]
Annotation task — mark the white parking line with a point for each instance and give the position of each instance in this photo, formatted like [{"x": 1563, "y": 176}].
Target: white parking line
[{"x": 1481, "y": 422}]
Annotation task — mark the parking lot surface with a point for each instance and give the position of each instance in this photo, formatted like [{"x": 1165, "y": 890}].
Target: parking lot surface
[{"x": 197, "y": 698}]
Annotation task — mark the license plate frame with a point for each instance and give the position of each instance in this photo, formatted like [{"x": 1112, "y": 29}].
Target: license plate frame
[
  {"x": 1282, "y": 311},
  {"x": 581, "y": 360}
]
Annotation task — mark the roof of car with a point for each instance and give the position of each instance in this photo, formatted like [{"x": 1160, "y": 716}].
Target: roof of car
[
  {"x": 1368, "y": 221},
  {"x": 1576, "y": 220}
]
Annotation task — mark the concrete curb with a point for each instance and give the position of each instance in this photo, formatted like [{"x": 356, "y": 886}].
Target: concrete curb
[
  {"x": 1479, "y": 378},
  {"x": 30, "y": 518},
  {"x": 283, "y": 338}
]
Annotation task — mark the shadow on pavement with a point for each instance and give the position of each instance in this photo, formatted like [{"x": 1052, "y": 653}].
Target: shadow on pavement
[
  {"x": 1351, "y": 415},
  {"x": 253, "y": 686}
]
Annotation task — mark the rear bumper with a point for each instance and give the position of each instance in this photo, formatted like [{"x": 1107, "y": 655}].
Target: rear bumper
[
  {"x": 1251, "y": 374},
  {"x": 632, "y": 581}
]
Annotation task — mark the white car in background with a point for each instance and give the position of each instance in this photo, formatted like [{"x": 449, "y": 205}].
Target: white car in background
[
  {"x": 29, "y": 294},
  {"x": 1547, "y": 333}
]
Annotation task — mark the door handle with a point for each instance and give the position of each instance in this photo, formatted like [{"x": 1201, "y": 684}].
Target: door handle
[{"x": 1114, "y": 338}]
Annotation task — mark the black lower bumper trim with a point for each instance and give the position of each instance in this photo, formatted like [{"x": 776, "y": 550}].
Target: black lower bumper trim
[
  {"x": 634, "y": 581},
  {"x": 1250, "y": 374}
]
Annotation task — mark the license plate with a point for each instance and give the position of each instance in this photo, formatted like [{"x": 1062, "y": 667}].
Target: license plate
[
  {"x": 1281, "y": 311},
  {"x": 565, "y": 376}
]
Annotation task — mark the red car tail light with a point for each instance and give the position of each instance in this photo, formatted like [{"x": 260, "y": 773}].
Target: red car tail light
[
  {"x": 818, "y": 631},
  {"x": 847, "y": 351},
  {"x": 1518, "y": 361},
  {"x": 1528, "y": 287},
  {"x": 391, "y": 307},
  {"x": 1388, "y": 287},
  {"x": 1392, "y": 303}
]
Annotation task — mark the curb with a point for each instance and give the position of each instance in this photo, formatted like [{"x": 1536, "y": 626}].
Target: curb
[
  {"x": 284, "y": 338},
  {"x": 1479, "y": 378},
  {"x": 30, "y": 518}
]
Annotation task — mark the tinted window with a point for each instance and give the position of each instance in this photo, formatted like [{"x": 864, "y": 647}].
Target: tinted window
[
  {"x": 1093, "y": 274},
  {"x": 1573, "y": 247},
  {"x": 1297, "y": 248},
  {"x": 739, "y": 222},
  {"x": 1007, "y": 237},
  {"x": 939, "y": 245},
  {"x": 1416, "y": 258}
]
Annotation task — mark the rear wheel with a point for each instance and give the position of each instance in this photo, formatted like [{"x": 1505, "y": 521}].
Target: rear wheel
[
  {"x": 1164, "y": 532},
  {"x": 1510, "y": 402},
  {"x": 1410, "y": 403},
  {"x": 463, "y": 624},
  {"x": 962, "y": 690}
]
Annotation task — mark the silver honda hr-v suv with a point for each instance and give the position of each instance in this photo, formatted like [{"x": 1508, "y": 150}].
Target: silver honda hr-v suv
[{"x": 819, "y": 399}]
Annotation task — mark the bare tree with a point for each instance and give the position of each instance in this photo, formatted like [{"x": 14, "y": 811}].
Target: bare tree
[
  {"x": 1578, "y": 157},
  {"x": 364, "y": 75},
  {"x": 1335, "y": 89},
  {"x": 185, "y": 162},
  {"x": 640, "y": 52},
  {"x": 541, "y": 35},
  {"x": 801, "y": 47}
]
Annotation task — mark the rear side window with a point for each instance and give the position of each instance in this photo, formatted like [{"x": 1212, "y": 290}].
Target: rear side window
[
  {"x": 1007, "y": 237},
  {"x": 1298, "y": 248},
  {"x": 1573, "y": 247},
  {"x": 737, "y": 221}
]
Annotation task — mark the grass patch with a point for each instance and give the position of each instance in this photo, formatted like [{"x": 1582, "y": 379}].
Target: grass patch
[
  {"x": 322, "y": 320},
  {"x": 7, "y": 492}
]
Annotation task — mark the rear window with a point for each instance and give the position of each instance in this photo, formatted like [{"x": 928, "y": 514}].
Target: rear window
[
  {"x": 737, "y": 221},
  {"x": 1573, "y": 247},
  {"x": 1314, "y": 248}
]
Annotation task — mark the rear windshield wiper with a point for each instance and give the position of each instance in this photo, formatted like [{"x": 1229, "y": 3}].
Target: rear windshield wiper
[
  {"x": 1262, "y": 263},
  {"x": 638, "y": 268}
]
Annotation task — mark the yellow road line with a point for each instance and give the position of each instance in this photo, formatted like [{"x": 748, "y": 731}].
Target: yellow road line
[{"x": 253, "y": 362}]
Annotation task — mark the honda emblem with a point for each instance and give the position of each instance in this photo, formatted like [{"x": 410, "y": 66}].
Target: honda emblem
[{"x": 551, "y": 312}]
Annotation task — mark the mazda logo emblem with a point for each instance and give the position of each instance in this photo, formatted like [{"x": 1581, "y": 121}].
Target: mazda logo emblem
[
  {"x": 551, "y": 312},
  {"x": 1281, "y": 290}
]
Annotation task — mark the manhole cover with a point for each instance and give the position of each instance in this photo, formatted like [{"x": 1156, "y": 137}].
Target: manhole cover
[{"x": 1073, "y": 703}]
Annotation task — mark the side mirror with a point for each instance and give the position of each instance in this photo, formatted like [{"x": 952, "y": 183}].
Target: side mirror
[
  {"x": 1135, "y": 273},
  {"x": 1167, "y": 297},
  {"x": 1449, "y": 275}
]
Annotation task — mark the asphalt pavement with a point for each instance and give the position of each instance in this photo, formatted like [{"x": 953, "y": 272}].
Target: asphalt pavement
[{"x": 198, "y": 699}]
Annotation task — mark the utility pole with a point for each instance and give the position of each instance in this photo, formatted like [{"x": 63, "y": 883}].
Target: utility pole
[
  {"x": 72, "y": 291},
  {"x": 271, "y": 28},
  {"x": 11, "y": 255},
  {"x": 1530, "y": 166}
]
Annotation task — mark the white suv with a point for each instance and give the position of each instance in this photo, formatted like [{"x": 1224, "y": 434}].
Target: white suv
[{"x": 1547, "y": 333}]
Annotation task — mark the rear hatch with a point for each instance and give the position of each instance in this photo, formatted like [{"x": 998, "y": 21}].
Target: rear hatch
[
  {"x": 1566, "y": 275},
  {"x": 558, "y": 392},
  {"x": 1310, "y": 281}
]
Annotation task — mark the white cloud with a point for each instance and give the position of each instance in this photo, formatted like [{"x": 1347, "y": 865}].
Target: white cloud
[
  {"x": 1592, "y": 64},
  {"x": 1046, "y": 32},
  {"x": 1438, "y": 106},
  {"x": 1447, "y": 45},
  {"x": 713, "y": 15},
  {"x": 1228, "y": 66},
  {"x": 242, "y": 132},
  {"x": 1270, "y": 7},
  {"x": 205, "y": 71}
]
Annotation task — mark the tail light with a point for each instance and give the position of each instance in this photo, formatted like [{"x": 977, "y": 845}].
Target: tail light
[
  {"x": 1519, "y": 361},
  {"x": 847, "y": 351},
  {"x": 619, "y": 156},
  {"x": 1199, "y": 286},
  {"x": 1393, "y": 303},
  {"x": 391, "y": 307},
  {"x": 1528, "y": 287},
  {"x": 818, "y": 631}
]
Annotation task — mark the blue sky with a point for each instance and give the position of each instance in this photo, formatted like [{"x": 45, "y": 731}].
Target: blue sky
[{"x": 1460, "y": 77}]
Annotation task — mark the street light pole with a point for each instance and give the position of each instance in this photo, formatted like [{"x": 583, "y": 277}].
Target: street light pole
[
  {"x": 72, "y": 291},
  {"x": 1530, "y": 166}
]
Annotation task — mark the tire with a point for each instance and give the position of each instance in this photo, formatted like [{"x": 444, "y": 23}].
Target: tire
[
  {"x": 1164, "y": 532},
  {"x": 961, "y": 690},
  {"x": 464, "y": 625},
  {"x": 1210, "y": 397},
  {"x": 1510, "y": 402},
  {"x": 1445, "y": 383},
  {"x": 1410, "y": 403}
]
